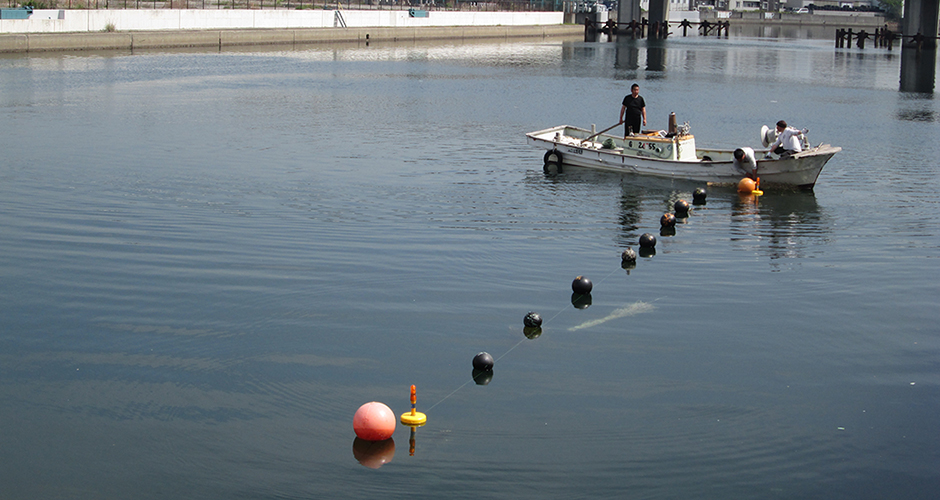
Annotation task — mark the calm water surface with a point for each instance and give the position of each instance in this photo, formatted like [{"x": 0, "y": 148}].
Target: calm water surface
[{"x": 209, "y": 261}]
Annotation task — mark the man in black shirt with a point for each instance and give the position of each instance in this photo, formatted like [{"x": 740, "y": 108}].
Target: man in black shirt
[{"x": 635, "y": 108}]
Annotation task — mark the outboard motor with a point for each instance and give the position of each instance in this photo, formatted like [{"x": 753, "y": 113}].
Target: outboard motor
[{"x": 767, "y": 135}]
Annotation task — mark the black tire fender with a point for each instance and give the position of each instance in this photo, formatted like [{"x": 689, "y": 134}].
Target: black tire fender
[{"x": 552, "y": 156}]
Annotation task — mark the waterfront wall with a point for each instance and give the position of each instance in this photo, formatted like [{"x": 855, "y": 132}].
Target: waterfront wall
[
  {"x": 840, "y": 19},
  {"x": 78, "y": 21},
  {"x": 134, "y": 40}
]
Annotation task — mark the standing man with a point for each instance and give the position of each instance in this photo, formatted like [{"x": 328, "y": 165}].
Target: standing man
[{"x": 635, "y": 108}]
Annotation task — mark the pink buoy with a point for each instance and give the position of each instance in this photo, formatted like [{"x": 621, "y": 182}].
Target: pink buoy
[{"x": 374, "y": 422}]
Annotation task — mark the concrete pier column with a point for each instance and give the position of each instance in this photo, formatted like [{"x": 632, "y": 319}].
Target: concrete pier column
[
  {"x": 659, "y": 12},
  {"x": 921, "y": 16},
  {"x": 628, "y": 10}
]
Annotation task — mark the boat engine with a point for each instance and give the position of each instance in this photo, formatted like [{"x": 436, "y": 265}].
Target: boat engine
[{"x": 769, "y": 134}]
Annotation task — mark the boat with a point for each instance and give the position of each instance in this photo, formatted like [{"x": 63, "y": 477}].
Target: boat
[{"x": 674, "y": 155}]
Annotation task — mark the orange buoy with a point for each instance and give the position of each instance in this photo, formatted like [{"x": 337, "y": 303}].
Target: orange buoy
[
  {"x": 374, "y": 422},
  {"x": 747, "y": 185},
  {"x": 414, "y": 417}
]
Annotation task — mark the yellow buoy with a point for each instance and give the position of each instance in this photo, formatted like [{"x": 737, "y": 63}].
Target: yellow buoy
[
  {"x": 756, "y": 191},
  {"x": 414, "y": 417}
]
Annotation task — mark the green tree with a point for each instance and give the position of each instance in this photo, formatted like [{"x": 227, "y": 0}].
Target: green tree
[{"x": 893, "y": 8}]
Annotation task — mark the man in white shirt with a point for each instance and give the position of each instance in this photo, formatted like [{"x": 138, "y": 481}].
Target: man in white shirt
[
  {"x": 788, "y": 140},
  {"x": 745, "y": 162}
]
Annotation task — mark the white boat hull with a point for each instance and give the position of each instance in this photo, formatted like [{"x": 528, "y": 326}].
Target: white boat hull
[{"x": 708, "y": 165}]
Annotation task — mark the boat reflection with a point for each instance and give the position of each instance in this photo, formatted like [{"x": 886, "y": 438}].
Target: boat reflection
[{"x": 779, "y": 225}]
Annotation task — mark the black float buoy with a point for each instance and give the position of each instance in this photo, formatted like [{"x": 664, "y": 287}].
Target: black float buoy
[
  {"x": 483, "y": 361},
  {"x": 667, "y": 220},
  {"x": 532, "y": 332},
  {"x": 581, "y": 300},
  {"x": 628, "y": 256},
  {"x": 698, "y": 196},
  {"x": 682, "y": 208},
  {"x": 581, "y": 285},
  {"x": 647, "y": 240},
  {"x": 532, "y": 320}
]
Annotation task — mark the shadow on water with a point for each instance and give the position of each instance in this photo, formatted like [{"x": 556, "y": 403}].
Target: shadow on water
[{"x": 915, "y": 108}]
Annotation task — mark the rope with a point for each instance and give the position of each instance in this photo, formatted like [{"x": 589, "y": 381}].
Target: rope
[{"x": 549, "y": 320}]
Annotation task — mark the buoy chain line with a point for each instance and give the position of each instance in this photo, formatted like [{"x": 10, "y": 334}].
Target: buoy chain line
[
  {"x": 680, "y": 206},
  {"x": 563, "y": 308}
]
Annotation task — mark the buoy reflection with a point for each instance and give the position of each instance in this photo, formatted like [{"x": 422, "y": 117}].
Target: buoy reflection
[
  {"x": 373, "y": 454},
  {"x": 581, "y": 300},
  {"x": 412, "y": 440},
  {"x": 482, "y": 377},
  {"x": 532, "y": 332}
]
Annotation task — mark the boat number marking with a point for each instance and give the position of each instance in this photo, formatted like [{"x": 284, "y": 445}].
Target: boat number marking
[
  {"x": 644, "y": 145},
  {"x": 577, "y": 151},
  {"x": 647, "y": 146}
]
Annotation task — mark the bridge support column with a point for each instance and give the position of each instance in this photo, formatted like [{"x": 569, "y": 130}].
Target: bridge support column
[
  {"x": 920, "y": 16},
  {"x": 659, "y": 12},
  {"x": 628, "y": 10}
]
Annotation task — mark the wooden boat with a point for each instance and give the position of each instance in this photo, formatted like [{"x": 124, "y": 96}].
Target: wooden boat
[{"x": 672, "y": 155}]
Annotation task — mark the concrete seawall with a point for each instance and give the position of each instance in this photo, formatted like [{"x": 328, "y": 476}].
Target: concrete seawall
[
  {"x": 847, "y": 19},
  {"x": 78, "y": 20},
  {"x": 38, "y": 42}
]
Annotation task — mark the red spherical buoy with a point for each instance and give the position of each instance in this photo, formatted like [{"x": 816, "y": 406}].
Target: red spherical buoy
[{"x": 374, "y": 422}]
